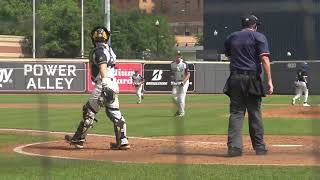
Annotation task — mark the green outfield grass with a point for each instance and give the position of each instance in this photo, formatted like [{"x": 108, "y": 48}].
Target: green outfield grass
[
  {"x": 146, "y": 121},
  {"x": 211, "y": 118}
]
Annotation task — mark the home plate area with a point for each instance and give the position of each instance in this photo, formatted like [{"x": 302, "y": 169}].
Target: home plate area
[{"x": 199, "y": 149}]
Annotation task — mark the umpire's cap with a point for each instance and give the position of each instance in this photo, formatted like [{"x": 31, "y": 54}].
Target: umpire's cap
[{"x": 249, "y": 20}]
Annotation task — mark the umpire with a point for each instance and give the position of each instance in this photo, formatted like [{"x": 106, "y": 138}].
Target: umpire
[{"x": 246, "y": 50}]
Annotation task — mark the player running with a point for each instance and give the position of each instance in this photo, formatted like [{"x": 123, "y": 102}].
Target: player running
[
  {"x": 301, "y": 85},
  {"x": 180, "y": 82},
  {"x": 137, "y": 82},
  {"x": 102, "y": 63}
]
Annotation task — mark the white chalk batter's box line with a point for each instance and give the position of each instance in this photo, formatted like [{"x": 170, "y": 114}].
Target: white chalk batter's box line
[{"x": 146, "y": 138}]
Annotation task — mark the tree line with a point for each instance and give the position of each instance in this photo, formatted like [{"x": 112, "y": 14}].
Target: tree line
[{"x": 134, "y": 33}]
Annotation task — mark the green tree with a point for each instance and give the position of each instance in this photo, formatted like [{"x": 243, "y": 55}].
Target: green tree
[
  {"x": 14, "y": 19},
  {"x": 59, "y": 23},
  {"x": 58, "y": 28},
  {"x": 136, "y": 32}
]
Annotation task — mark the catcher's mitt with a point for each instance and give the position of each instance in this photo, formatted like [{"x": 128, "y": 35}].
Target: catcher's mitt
[{"x": 107, "y": 96}]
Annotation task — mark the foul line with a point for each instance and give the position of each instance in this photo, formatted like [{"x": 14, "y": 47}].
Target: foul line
[
  {"x": 141, "y": 138},
  {"x": 286, "y": 145},
  {"x": 103, "y": 135}
]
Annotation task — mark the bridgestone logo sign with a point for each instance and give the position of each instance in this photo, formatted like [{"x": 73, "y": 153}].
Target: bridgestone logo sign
[
  {"x": 46, "y": 77},
  {"x": 157, "y": 77}
]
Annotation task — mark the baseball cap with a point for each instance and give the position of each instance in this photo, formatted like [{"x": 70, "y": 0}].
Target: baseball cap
[{"x": 248, "y": 20}]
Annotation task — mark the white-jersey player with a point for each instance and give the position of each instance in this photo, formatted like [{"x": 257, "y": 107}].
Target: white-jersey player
[
  {"x": 102, "y": 64},
  {"x": 180, "y": 82},
  {"x": 301, "y": 85},
  {"x": 137, "y": 82}
]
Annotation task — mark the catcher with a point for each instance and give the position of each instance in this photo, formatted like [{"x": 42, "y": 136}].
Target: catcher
[
  {"x": 137, "y": 82},
  {"x": 102, "y": 62}
]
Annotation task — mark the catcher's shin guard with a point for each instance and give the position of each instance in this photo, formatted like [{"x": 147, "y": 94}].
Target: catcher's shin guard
[{"x": 86, "y": 124}]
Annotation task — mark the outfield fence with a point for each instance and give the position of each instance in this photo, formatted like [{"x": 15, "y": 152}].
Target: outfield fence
[{"x": 23, "y": 75}]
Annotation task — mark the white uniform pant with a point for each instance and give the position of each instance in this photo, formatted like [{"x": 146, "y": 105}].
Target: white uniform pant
[
  {"x": 112, "y": 109},
  {"x": 301, "y": 87},
  {"x": 139, "y": 91},
  {"x": 179, "y": 96}
]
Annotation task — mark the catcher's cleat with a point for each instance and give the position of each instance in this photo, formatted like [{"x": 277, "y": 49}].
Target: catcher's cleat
[
  {"x": 76, "y": 143},
  {"x": 115, "y": 146}
]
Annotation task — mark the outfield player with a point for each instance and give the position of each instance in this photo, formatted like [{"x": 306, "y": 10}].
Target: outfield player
[
  {"x": 180, "y": 82},
  {"x": 301, "y": 85},
  {"x": 137, "y": 82},
  {"x": 102, "y": 62}
]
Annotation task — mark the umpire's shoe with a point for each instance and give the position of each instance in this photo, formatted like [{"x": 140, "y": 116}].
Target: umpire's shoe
[
  {"x": 234, "y": 152},
  {"x": 76, "y": 143},
  {"x": 261, "y": 151}
]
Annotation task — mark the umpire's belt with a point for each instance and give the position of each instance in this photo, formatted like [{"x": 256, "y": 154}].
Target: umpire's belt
[{"x": 251, "y": 73}]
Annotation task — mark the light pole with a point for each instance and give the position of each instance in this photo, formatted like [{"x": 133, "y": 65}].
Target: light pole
[
  {"x": 34, "y": 29},
  {"x": 106, "y": 17},
  {"x": 82, "y": 36},
  {"x": 157, "y": 23}
]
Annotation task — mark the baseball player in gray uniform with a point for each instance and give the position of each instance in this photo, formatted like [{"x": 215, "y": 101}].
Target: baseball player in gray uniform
[
  {"x": 180, "y": 82},
  {"x": 137, "y": 81},
  {"x": 102, "y": 62},
  {"x": 301, "y": 85}
]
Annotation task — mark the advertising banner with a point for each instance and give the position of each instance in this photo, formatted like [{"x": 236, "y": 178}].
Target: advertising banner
[
  {"x": 157, "y": 77},
  {"x": 42, "y": 77},
  {"x": 124, "y": 72}
]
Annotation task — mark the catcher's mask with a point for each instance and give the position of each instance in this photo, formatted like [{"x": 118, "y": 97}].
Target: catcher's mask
[{"x": 100, "y": 34}]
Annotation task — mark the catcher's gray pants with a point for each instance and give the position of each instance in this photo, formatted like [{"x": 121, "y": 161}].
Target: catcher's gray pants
[
  {"x": 240, "y": 101},
  {"x": 112, "y": 109}
]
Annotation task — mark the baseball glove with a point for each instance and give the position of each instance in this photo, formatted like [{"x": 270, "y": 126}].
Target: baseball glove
[{"x": 107, "y": 96}]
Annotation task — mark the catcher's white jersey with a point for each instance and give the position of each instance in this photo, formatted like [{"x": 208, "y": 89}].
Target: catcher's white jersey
[
  {"x": 137, "y": 79},
  {"x": 179, "y": 70}
]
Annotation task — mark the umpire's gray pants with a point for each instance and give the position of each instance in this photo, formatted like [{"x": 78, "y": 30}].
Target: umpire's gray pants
[{"x": 240, "y": 101}]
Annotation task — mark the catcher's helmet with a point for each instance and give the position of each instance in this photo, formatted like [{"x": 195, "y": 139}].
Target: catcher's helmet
[{"x": 100, "y": 34}]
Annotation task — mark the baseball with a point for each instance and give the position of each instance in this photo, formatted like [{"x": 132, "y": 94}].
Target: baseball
[
  {"x": 215, "y": 33},
  {"x": 288, "y": 53}
]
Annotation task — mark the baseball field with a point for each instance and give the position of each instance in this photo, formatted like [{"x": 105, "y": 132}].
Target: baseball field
[{"x": 163, "y": 147}]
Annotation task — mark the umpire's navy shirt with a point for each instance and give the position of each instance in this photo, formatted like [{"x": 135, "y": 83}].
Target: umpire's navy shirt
[{"x": 244, "y": 49}]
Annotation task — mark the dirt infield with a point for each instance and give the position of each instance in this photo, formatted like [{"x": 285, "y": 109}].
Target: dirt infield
[
  {"x": 204, "y": 149},
  {"x": 293, "y": 112}
]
